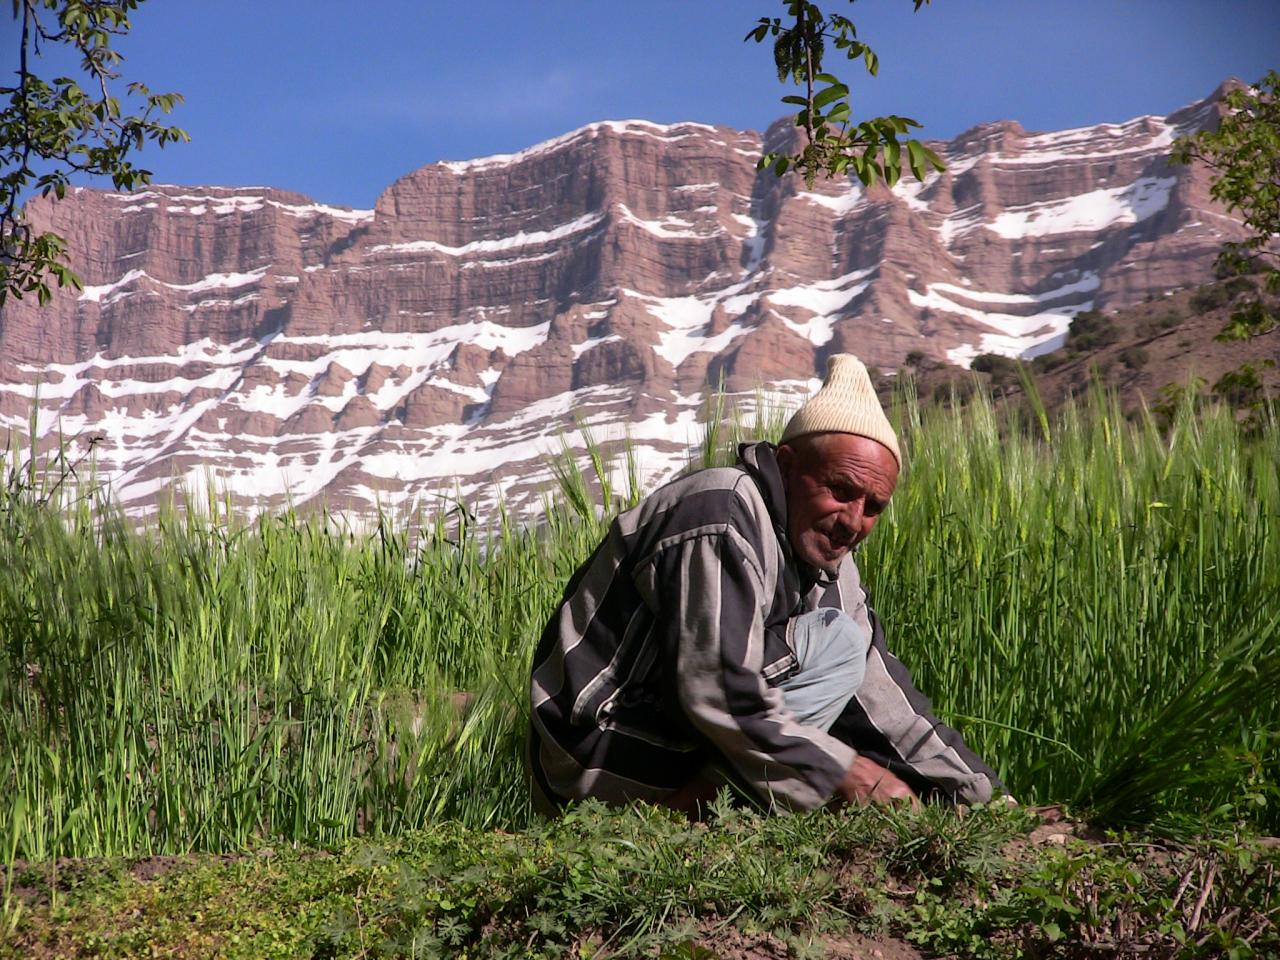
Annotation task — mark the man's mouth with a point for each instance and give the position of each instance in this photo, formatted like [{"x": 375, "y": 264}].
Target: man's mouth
[{"x": 840, "y": 539}]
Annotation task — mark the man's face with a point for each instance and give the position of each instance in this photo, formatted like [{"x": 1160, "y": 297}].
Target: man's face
[{"x": 837, "y": 484}]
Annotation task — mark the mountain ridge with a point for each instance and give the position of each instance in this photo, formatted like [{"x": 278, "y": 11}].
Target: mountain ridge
[{"x": 298, "y": 351}]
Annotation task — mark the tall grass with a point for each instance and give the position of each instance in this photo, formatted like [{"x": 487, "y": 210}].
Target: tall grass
[{"x": 1092, "y": 601}]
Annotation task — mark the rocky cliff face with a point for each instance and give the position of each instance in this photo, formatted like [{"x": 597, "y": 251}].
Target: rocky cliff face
[{"x": 285, "y": 349}]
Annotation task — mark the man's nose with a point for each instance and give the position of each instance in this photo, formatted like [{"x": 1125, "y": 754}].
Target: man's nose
[{"x": 853, "y": 515}]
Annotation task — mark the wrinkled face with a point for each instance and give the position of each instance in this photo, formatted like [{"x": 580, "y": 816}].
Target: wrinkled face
[{"x": 837, "y": 484}]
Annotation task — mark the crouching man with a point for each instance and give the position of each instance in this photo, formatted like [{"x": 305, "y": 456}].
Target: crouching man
[{"x": 720, "y": 635}]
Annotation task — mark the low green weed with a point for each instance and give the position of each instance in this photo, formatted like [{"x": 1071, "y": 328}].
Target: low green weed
[{"x": 645, "y": 882}]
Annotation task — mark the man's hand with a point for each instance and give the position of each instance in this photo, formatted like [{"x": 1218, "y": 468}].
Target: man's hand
[{"x": 868, "y": 782}]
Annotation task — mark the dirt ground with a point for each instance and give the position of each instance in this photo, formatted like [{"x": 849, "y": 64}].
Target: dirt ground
[{"x": 732, "y": 944}]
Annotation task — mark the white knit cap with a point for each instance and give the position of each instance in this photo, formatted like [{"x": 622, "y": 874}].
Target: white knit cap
[{"x": 846, "y": 403}]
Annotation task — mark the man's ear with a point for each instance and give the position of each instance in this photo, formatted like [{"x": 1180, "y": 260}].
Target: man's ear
[{"x": 786, "y": 458}]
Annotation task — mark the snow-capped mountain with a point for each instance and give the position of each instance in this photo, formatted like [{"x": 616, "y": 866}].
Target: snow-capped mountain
[{"x": 286, "y": 349}]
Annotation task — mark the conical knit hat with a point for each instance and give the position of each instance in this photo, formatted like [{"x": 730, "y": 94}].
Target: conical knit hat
[{"x": 846, "y": 403}]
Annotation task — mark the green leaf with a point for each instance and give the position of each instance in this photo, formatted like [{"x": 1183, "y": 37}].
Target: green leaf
[
  {"x": 916, "y": 157},
  {"x": 833, "y": 92},
  {"x": 859, "y": 168},
  {"x": 870, "y": 165},
  {"x": 892, "y": 162}
]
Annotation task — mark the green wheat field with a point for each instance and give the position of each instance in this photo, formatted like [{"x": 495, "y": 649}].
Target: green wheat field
[{"x": 1094, "y": 600}]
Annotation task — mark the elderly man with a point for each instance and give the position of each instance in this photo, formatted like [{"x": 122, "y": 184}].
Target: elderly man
[{"x": 720, "y": 634}]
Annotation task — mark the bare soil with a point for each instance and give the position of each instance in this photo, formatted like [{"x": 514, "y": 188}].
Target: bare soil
[{"x": 728, "y": 943}]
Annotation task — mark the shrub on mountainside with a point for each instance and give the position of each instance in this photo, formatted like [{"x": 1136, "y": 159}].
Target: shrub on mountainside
[
  {"x": 1242, "y": 388},
  {"x": 1252, "y": 319},
  {"x": 1091, "y": 330},
  {"x": 1210, "y": 297},
  {"x": 1048, "y": 361},
  {"x": 1003, "y": 371},
  {"x": 1152, "y": 326},
  {"x": 1175, "y": 397},
  {"x": 1135, "y": 358},
  {"x": 955, "y": 392},
  {"x": 1238, "y": 285}
]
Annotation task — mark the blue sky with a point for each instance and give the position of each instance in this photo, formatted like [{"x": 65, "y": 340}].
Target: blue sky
[{"x": 335, "y": 100}]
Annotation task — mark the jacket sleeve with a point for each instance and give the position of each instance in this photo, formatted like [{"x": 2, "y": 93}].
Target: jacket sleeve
[
  {"x": 714, "y": 623},
  {"x": 890, "y": 721}
]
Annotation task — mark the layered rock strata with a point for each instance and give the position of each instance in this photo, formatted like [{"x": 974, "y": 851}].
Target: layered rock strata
[{"x": 289, "y": 351}]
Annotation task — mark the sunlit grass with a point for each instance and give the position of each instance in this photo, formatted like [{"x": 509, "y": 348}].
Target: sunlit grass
[
  {"x": 1092, "y": 601},
  {"x": 1097, "y": 612}
]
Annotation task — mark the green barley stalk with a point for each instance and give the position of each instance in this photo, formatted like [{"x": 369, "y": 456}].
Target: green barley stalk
[{"x": 1095, "y": 592}]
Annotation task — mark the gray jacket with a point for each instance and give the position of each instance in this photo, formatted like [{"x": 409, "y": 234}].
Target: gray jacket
[{"x": 664, "y": 655}]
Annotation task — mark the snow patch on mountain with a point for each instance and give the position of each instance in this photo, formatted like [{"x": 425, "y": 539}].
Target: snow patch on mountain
[
  {"x": 1102, "y": 142},
  {"x": 1026, "y": 334},
  {"x": 841, "y": 203},
  {"x": 199, "y": 204},
  {"x": 1087, "y": 212},
  {"x": 519, "y": 239},
  {"x": 214, "y": 281},
  {"x": 686, "y": 320},
  {"x": 668, "y": 228},
  {"x": 825, "y": 297},
  {"x": 643, "y": 128}
]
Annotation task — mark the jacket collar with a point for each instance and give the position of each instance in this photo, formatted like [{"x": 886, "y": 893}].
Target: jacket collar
[{"x": 760, "y": 461}]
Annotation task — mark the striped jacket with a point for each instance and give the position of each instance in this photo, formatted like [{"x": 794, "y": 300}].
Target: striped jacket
[{"x": 665, "y": 652}]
